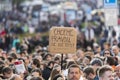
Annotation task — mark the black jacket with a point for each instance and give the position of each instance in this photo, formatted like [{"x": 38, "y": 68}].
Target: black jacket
[{"x": 46, "y": 73}]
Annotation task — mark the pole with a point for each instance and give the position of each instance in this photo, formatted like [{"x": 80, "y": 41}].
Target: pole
[{"x": 61, "y": 62}]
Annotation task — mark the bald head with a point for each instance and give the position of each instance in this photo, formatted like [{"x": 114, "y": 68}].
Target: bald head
[{"x": 115, "y": 50}]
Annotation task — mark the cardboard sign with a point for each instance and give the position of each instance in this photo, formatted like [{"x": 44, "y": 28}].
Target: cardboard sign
[
  {"x": 62, "y": 40},
  {"x": 19, "y": 66}
]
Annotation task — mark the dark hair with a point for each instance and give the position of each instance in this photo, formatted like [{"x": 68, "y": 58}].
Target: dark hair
[
  {"x": 37, "y": 70},
  {"x": 110, "y": 60},
  {"x": 2, "y": 58},
  {"x": 21, "y": 59},
  {"x": 46, "y": 55},
  {"x": 36, "y": 62},
  {"x": 87, "y": 70},
  {"x": 1, "y": 66},
  {"x": 1, "y": 63},
  {"x": 57, "y": 76},
  {"x": 56, "y": 58},
  {"x": 36, "y": 78},
  {"x": 96, "y": 61},
  {"x": 22, "y": 52},
  {"x": 107, "y": 50},
  {"x": 50, "y": 62},
  {"x": 88, "y": 57},
  {"x": 13, "y": 55},
  {"x": 70, "y": 63},
  {"x": 7, "y": 70},
  {"x": 10, "y": 59},
  {"x": 107, "y": 43},
  {"x": 116, "y": 61}
]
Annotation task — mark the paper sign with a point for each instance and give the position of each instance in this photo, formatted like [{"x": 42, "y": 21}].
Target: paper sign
[
  {"x": 19, "y": 66},
  {"x": 111, "y": 16},
  {"x": 62, "y": 40}
]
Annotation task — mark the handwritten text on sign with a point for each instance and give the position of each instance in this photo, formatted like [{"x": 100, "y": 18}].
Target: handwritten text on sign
[{"x": 62, "y": 40}]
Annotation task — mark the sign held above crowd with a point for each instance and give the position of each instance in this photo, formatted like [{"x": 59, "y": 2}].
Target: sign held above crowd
[
  {"x": 62, "y": 40},
  {"x": 111, "y": 12}
]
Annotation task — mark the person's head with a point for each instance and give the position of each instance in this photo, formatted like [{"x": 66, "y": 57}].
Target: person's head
[
  {"x": 27, "y": 60},
  {"x": 71, "y": 56},
  {"x": 70, "y": 63},
  {"x": 13, "y": 49},
  {"x": 80, "y": 54},
  {"x": 89, "y": 73},
  {"x": 50, "y": 64},
  {"x": 36, "y": 78},
  {"x": 2, "y": 58},
  {"x": 22, "y": 54},
  {"x": 35, "y": 63},
  {"x": 7, "y": 72},
  {"x": 9, "y": 60},
  {"x": 56, "y": 66},
  {"x": 115, "y": 50},
  {"x": 36, "y": 73},
  {"x": 105, "y": 73},
  {"x": 74, "y": 72},
  {"x": 16, "y": 77},
  {"x": 86, "y": 60},
  {"x": 109, "y": 61},
  {"x": 39, "y": 57},
  {"x": 57, "y": 59},
  {"x": 47, "y": 57},
  {"x": 54, "y": 72},
  {"x": 117, "y": 70},
  {"x": 58, "y": 77},
  {"x": 107, "y": 52},
  {"x": 115, "y": 42},
  {"x": 106, "y": 45},
  {"x": 38, "y": 49},
  {"x": 13, "y": 55},
  {"x": 97, "y": 50},
  {"x": 89, "y": 53},
  {"x": 96, "y": 63}
]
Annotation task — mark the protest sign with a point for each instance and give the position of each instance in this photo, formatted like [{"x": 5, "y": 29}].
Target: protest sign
[
  {"x": 62, "y": 40},
  {"x": 19, "y": 66}
]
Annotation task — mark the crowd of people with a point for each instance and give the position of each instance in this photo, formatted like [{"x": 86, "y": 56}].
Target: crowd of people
[
  {"x": 42, "y": 65},
  {"x": 91, "y": 61},
  {"x": 97, "y": 56}
]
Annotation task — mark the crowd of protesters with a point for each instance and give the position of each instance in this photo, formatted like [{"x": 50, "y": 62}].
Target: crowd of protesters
[
  {"x": 97, "y": 56},
  {"x": 92, "y": 64}
]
